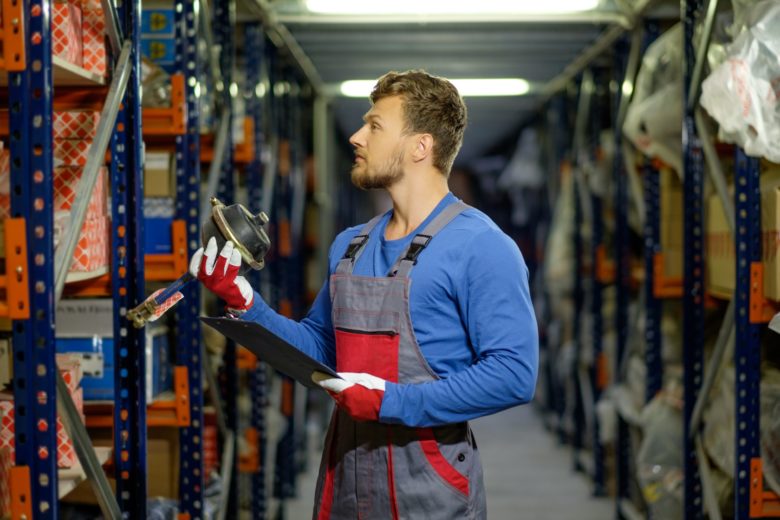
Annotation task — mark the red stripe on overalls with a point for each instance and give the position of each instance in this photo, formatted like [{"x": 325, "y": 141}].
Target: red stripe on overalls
[
  {"x": 326, "y": 502},
  {"x": 390, "y": 476},
  {"x": 445, "y": 470}
]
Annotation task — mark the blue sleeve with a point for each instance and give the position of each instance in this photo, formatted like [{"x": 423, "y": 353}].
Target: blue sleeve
[
  {"x": 495, "y": 303},
  {"x": 313, "y": 335}
]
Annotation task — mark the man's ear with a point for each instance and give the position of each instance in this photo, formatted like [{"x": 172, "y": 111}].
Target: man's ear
[{"x": 423, "y": 147}]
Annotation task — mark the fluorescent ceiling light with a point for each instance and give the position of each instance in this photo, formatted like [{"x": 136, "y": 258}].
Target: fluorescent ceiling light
[
  {"x": 361, "y": 88},
  {"x": 426, "y": 7}
]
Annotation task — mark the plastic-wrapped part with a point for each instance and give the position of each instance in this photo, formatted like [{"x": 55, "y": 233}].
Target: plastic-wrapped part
[
  {"x": 660, "y": 461},
  {"x": 559, "y": 254},
  {"x": 770, "y": 428},
  {"x": 719, "y": 429},
  {"x": 156, "y": 85},
  {"x": 654, "y": 117},
  {"x": 741, "y": 94}
]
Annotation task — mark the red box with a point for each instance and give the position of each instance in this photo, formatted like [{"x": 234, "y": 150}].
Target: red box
[
  {"x": 75, "y": 124},
  {"x": 66, "y": 455},
  {"x": 70, "y": 368},
  {"x": 71, "y": 152},
  {"x": 66, "y": 32},
  {"x": 92, "y": 252},
  {"x": 66, "y": 180},
  {"x": 94, "y": 43}
]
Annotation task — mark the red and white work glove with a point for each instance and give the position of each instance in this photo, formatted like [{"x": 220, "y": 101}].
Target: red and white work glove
[
  {"x": 219, "y": 274},
  {"x": 358, "y": 394}
]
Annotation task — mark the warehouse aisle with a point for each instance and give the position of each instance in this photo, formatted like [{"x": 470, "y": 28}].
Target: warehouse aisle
[{"x": 527, "y": 475}]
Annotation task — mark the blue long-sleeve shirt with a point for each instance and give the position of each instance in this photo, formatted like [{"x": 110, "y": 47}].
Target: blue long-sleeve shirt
[{"x": 471, "y": 313}]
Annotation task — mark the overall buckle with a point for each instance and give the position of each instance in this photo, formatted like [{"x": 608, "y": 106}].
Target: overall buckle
[{"x": 415, "y": 248}]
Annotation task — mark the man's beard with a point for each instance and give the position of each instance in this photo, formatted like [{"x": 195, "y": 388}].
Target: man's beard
[{"x": 391, "y": 172}]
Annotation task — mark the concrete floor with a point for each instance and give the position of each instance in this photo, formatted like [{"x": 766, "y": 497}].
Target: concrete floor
[{"x": 527, "y": 474}]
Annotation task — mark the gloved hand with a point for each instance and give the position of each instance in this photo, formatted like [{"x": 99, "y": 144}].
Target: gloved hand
[
  {"x": 219, "y": 274},
  {"x": 358, "y": 394}
]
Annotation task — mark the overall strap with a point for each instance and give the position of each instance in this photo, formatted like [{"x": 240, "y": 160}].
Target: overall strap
[
  {"x": 356, "y": 246},
  {"x": 408, "y": 258}
]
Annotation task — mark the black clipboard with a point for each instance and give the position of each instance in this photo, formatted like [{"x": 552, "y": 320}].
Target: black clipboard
[{"x": 270, "y": 348}]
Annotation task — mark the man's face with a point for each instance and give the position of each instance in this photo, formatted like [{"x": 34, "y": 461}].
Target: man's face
[{"x": 379, "y": 145}]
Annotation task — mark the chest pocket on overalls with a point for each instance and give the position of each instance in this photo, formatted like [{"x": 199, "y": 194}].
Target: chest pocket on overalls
[{"x": 367, "y": 342}]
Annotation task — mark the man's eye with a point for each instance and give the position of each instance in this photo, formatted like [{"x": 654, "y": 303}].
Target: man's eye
[{"x": 374, "y": 126}]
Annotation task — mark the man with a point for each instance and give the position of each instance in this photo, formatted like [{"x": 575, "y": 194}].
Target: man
[{"x": 426, "y": 316}]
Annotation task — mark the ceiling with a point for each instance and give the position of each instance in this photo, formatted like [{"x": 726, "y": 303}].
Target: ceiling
[{"x": 343, "y": 48}]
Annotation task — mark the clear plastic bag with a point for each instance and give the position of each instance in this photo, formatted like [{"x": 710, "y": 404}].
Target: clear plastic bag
[
  {"x": 654, "y": 117},
  {"x": 719, "y": 426},
  {"x": 741, "y": 94},
  {"x": 660, "y": 460}
]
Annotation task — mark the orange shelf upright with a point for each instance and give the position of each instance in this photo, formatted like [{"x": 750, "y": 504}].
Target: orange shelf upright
[
  {"x": 15, "y": 280},
  {"x": 13, "y": 58},
  {"x": 243, "y": 153}
]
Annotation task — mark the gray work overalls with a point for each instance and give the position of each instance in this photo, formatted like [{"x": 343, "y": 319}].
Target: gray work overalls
[{"x": 374, "y": 471}]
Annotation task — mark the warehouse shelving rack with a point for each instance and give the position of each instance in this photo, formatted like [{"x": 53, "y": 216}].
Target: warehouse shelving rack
[
  {"x": 747, "y": 311},
  {"x": 32, "y": 75}
]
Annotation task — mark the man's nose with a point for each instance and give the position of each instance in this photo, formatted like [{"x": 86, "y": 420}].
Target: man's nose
[{"x": 357, "y": 138}]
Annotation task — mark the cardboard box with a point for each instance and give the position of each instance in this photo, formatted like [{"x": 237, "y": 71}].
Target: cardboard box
[
  {"x": 84, "y": 318},
  {"x": 162, "y": 448},
  {"x": 75, "y": 124},
  {"x": 720, "y": 263},
  {"x": 66, "y": 32},
  {"x": 6, "y": 362},
  {"x": 158, "y": 236},
  {"x": 159, "y": 175},
  {"x": 672, "y": 220},
  {"x": 94, "y": 42},
  {"x": 6, "y": 463},
  {"x": 770, "y": 224}
]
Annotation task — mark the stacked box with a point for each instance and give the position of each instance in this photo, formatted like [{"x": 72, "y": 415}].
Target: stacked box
[
  {"x": 66, "y": 32},
  {"x": 770, "y": 224},
  {"x": 671, "y": 222},
  {"x": 75, "y": 124},
  {"x": 158, "y": 219},
  {"x": 98, "y": 353},
  {"x": 721, "y": 258},
  {"x": 158, "y": 34},
  {"x": 66, "y": 454},
  {"x": 6, "y": 363},
  {"x": 94, "y": 41},
  {"x": 71, "y": 152},
  {"x": 159, "y": 175},
  {"x": 92, "y": 249}
]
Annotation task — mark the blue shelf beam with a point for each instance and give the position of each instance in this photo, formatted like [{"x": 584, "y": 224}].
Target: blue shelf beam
[
  {"x": 653, "y": 305},
  {"x": 128, "y": 283},
  {"x": 747, "y": 353},
  {"x": 693, "y": 274},
  {"x": 189, "y": 350},
  {"x": 255, "y": 45}
]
